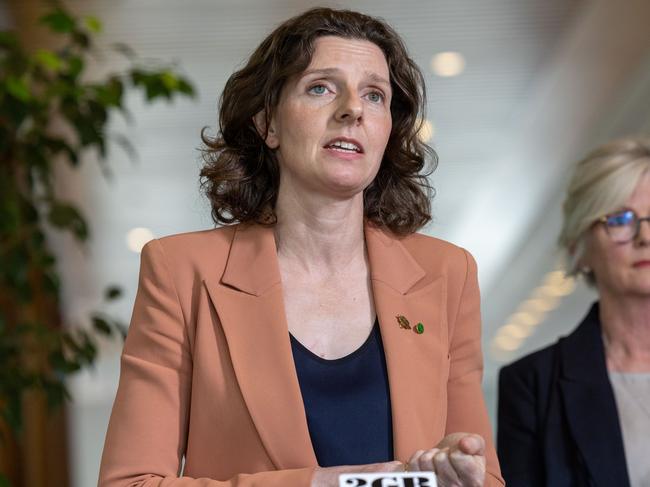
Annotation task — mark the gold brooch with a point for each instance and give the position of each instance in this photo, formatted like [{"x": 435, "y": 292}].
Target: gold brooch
[
  {"x": 405, "y": 325},
  {"x": 403, "y": 322}
]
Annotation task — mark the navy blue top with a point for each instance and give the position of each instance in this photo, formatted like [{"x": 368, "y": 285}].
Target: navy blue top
[{"x": 347, "y": 402}]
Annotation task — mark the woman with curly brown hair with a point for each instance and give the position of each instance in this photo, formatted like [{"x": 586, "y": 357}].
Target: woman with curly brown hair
[{"x": 315, "y": 333}]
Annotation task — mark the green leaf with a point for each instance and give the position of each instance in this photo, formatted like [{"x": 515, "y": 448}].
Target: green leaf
[
  {"x": 186, "y": 88},
  {"x": 101, "y": 325},
  {"x": 31, "y": 212},
  {"x": 67, "y": 217},
  {"x": 81, "y": 39},
  {"x": 60, "y": 146},
  {"x": 11, "y": 412},
  {"x": 110, "y": 93},
  {"x": 48, "y": 260},
  {"x": 4, "y": 481},
  {"x": 112, "y": 293},
  {"x": 97, "y": 112},
  {"x": 81, "y": 347},
  {"x": 59, "y": 21},
  {"x": 35, "y": 157},
  {"x": 38, "y": 239},
  {"x": 52, "y": 282},
  {"x": 17, "y": 88},
  {"x": 138, "y": 77},
  {"x": 8, "y": 39},
  {"x": 88, "y": 349},
  {"x": 58, "y": 360},
  {"x": 169, "y": 80},
  {"x": 15, "y": 264},
  {"x": 55, "y": 392},
  {"x": 75, "y": 66},
  {"x": 48, "y": 59},
  {"x": 9, "y": 215},
  {"x": 93, "y": 24},
  {"x": 153, "y": 84}
]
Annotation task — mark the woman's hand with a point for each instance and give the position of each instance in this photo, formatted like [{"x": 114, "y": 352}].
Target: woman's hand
[
  {"x": 329, "y": 477},
  {"x": 458, "y": 460}
]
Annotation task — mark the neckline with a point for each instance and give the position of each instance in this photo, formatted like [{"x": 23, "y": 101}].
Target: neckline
[
  {"x": 630, "y": 375},
  {"x": 374, "y": 331}
]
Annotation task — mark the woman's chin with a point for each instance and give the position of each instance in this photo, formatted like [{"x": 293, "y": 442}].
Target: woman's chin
[
  {"x": 640, "y": 287},
  {"x": 346, "y": 183},
  {"x": 345, "y": 189}
]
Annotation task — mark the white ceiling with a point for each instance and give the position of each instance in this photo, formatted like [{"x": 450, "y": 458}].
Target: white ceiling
[{"x": 545, "y": 80}]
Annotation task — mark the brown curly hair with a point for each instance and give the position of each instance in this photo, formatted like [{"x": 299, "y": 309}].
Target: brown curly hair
[{"x": 241, "y": 174}]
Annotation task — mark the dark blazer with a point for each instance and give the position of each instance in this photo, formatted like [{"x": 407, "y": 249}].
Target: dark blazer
[{"x": 557, "y": 420}]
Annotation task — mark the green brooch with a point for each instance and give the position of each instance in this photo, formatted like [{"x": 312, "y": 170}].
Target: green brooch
[{"x": 405, "y": 325}]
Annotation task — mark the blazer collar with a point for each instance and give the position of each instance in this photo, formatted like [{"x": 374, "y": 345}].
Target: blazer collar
[
  {"x": 253, "y": 248},
  {"x": 583, "y": 352},
  {"x": 252, "y": 265},
  {"x": 249, "y": 302},
  {"x": 390, "y": 262},
  {"x": 589, "y": 402}
]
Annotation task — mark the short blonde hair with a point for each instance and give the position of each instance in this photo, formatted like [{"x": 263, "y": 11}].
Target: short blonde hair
[{"x": 601, "y": 183}]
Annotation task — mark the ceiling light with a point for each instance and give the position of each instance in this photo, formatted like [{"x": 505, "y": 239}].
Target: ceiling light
[
  {"x": 543, "y": 304},
  {"x": 554, "y": 278},
  {"x": 526, "y": 318},
  {"x": 448, "y": 64},
  {"x": 507, "y": 343},
  {"x": 516, "y": 331},
  {"x": 138, "y": 237},
  {"x": 531, "y": 313},
  {"x": 566, "y": 288}
]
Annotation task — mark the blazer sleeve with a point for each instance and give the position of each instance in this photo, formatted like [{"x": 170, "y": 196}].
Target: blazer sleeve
[
  {"x": 517, "y": 432},
  {"x": 466, "y": 409},
  {"x": 147, "y": 431}
]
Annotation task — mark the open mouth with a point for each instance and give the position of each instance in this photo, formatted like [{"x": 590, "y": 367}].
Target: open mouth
[{"x": 345, "y": 146}]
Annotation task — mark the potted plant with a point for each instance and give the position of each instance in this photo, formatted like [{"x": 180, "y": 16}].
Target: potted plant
[{"x": 50, "y": 114}]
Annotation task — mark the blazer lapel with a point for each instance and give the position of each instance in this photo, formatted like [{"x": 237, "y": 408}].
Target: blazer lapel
[
  {"x": 250, "y": 305},
  {"x": 417, "y": 363},
  {"x": 590, "y": 405},
  {"x": 248, "y": 299}
]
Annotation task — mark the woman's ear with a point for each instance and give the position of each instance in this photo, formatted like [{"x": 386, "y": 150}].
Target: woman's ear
[
  {"x": 580, "y": 253},
  {"x": 268, "y": 134}
]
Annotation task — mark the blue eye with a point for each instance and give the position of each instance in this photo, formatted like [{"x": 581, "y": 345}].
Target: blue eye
[
  {"x": 318, "y": 90},
  {"x": 375, "y": 97},
  {"x": 622, "y": 218}
]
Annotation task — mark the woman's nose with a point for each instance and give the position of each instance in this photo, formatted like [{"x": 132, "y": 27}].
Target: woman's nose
[
  {"x": 350, "y": 109},
  {"x": 643, "y": 236}
]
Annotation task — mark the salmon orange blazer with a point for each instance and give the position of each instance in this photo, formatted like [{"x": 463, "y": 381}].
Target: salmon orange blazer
[{"x": 208, "y": 387}]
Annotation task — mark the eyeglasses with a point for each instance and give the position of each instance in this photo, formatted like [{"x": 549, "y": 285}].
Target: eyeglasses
[{"x": 622, "y": 226}]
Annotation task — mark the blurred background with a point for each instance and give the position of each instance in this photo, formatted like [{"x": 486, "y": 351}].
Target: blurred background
[{"x": 517, "y": 91}]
